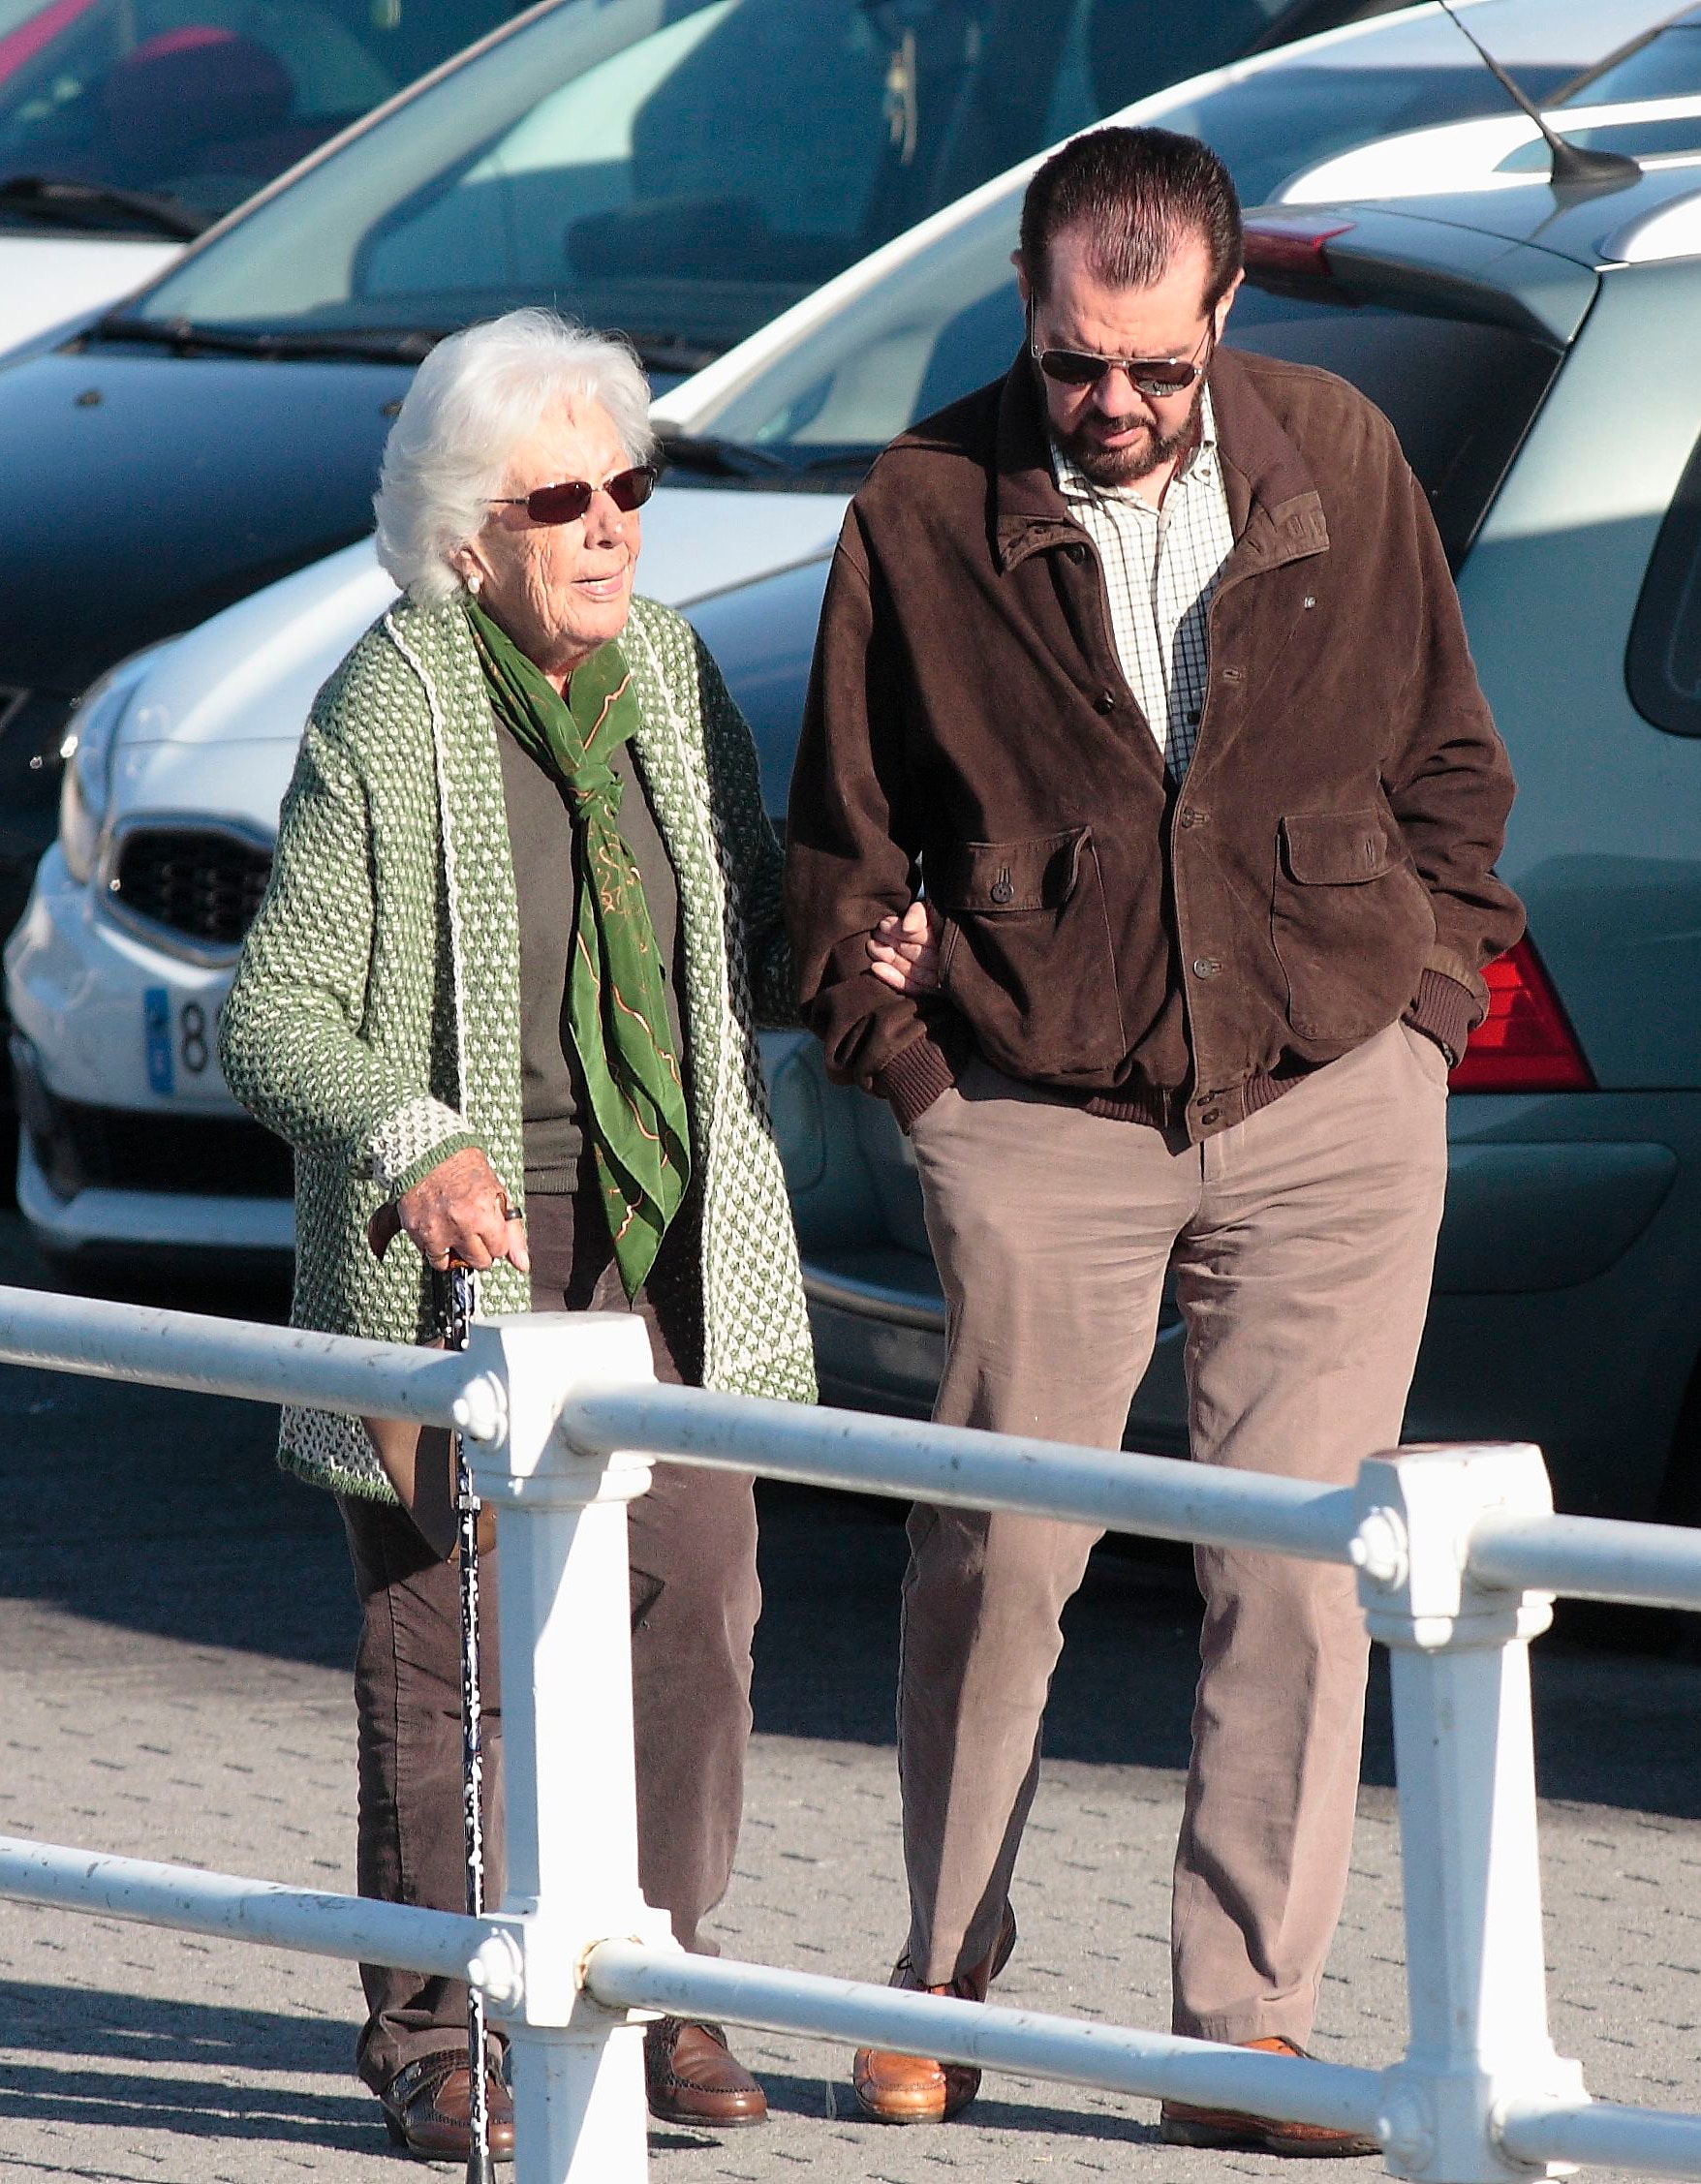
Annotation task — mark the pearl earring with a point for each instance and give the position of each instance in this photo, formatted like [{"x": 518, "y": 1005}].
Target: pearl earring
[{"x": 475, "y": 583}]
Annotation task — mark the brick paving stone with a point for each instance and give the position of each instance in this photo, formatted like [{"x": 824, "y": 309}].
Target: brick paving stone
[{"x": 131, "y": 2052}]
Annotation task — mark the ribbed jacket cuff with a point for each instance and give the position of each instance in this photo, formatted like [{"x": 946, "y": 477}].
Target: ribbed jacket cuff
[
  {"x": 1444, "y": 1011},
  {"x": 913, "y": 1079},
  {"x": 403, "y": 1181}
]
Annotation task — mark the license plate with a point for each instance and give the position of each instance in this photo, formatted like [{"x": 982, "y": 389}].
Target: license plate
[{"x": 177, "y": 1036}]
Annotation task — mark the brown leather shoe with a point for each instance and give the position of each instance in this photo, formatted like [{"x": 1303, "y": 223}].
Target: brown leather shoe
[
  {"x": 895, "y": 2089},
  {"x": 427, "y": 2109},
  {"x": 1228, "y": 2131},
  {"x": 691, "y": 2078}
]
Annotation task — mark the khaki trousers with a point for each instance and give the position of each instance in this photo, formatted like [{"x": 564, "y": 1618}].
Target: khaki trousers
[{"x": 1303, "y": 1242}]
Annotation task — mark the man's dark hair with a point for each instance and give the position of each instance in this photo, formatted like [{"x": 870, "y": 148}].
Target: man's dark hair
[{"x": 1138, "y": 194}]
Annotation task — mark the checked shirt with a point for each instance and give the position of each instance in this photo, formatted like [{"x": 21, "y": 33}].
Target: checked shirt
[{"x": 1161, "y": 567}]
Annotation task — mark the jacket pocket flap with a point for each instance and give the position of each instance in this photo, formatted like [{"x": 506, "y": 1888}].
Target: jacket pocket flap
[
  {"x": 1337, "y": 848},
  {"x": 985, "y": 878}
]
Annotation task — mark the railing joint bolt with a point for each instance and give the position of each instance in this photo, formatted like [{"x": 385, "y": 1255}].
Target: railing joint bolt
[
  {"x": 1380, "y": 1550},
  {"x": 1407, "y": 2129},
  {"x": 497, "y": 1968}
]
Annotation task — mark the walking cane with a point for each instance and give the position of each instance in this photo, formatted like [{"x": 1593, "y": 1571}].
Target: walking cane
[{"x": 455, "y": 1301}]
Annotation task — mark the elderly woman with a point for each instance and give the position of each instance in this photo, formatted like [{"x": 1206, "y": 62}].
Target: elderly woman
[{"x": 524, "y": 913}]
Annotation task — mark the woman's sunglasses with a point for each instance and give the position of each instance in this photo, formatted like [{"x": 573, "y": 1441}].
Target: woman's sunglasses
[
  {"x": 566, "y": 501},
  {"x": 1149, "y": 375}
]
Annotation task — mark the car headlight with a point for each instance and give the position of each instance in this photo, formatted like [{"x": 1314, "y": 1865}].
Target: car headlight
[{"x": 87, "y": 752}]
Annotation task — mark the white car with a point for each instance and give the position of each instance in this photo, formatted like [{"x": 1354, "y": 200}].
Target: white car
[
  {"x": 115, "y": 975},
  {"x": 46, "y": 284},
  {"x": 129, "y": 1140}
]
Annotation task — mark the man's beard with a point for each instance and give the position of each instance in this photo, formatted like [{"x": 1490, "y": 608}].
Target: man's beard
[{"x": 1127, "y": 466}]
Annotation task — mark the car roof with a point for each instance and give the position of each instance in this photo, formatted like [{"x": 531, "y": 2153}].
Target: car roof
[
  {"x": 1471, "y": 151},
  {"x": 1655, "y": 217}
]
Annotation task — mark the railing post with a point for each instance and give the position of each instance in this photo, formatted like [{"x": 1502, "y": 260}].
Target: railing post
[
  {"x": 1465, "y": 1761},
  {"x": 567, "y": 1743}
]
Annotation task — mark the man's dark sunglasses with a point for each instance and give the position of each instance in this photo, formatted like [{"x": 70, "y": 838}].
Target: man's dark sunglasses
[
  {"x": 566, "y": 501},
  {"x": 1150, "y": 375}
]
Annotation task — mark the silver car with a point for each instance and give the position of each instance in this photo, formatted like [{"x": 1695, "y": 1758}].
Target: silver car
[{"x": 1537, "y": 354}]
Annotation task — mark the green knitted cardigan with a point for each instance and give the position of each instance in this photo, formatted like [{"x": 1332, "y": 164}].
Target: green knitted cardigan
[{"x": 374, "y": 1020}]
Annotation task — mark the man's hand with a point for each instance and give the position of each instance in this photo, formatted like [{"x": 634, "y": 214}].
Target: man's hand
[
  {"x": 904, "y": 951},
  {"x": 458, "y": 1213}
]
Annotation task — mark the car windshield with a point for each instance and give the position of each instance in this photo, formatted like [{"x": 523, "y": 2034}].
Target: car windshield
[
  {"x": 684, "y": 169},
  {"x": 196, "y": 103},
  {"x": 1460, "y": 394},
  {"x": 1667, "y": 65}
]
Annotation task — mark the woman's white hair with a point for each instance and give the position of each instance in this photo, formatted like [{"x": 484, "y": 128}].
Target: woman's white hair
[{"x": 473, "y": 400}]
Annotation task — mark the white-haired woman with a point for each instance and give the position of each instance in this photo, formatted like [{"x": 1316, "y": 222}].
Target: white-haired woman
[{"x": 524, "y": 914}]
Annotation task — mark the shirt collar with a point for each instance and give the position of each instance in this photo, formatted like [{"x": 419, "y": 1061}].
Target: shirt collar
[{"x": 1198, "y": 467}]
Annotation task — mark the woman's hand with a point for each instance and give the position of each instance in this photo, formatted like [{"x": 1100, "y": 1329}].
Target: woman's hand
[
  {"x": 904, "y": 951},
  {"x": 458, "y": 1213}
]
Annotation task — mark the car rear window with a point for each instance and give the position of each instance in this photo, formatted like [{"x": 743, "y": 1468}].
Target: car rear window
[
  {"x": 1460, "y": 394},
  {"x": 1663, "y": 665}
]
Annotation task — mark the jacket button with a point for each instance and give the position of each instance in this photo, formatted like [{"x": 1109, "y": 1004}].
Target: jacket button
[
  {"x": 1210, "y": 1114},
  {"x": 1206, "y": 967},
  {"x": 1002, "y": 891},
  {"x": 1106, "y": 702},
  {"x": 1076, "y": 553},
  {"x": 1191, "y": 816}
]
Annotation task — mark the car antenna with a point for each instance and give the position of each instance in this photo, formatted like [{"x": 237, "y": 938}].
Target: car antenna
[{"x": 1574, "y": 167}]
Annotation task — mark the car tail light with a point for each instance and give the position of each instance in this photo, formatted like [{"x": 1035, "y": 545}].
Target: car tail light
[
  {"x": 1292, "y": 249},
  {"x": 1526, "y": 1042}
]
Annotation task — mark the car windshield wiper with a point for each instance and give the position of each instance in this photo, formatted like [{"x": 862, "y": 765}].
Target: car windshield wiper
[
  {"x": 721, "y": 459},
  {"x": 674, "y": 352},
  {"x": 93, "y": 205},
  {"x": 184, "y": 338},
  {"x": 852, "y": 457}
]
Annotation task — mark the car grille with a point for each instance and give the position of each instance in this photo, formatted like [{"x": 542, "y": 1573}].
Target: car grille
[
  {"x": 201, "y": 883},
  {"x": 121, "y": 1148}
]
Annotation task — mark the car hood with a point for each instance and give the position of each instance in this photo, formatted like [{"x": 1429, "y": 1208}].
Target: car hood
[
  {"x": 214, "y": 723},
  {"x": 49, "y": 280},
  {"x": 140, "y": 492}
]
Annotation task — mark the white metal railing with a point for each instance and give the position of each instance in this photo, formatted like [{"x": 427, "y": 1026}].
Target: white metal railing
[{"x": 1458, "y": 1554}]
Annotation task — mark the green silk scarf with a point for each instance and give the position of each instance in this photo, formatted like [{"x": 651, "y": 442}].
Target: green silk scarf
[{"x": 617, "y": 1007}]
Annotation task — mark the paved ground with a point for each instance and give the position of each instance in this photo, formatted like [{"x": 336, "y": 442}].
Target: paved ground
[{"x": 175, "y": 1619}]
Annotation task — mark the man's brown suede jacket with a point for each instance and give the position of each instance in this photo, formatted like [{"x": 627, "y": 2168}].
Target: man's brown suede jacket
[{"x": 1178, "y": 958}]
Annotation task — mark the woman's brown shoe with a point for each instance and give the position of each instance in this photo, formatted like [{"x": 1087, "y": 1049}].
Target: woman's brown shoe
[
  {"x": 894, "y": 2088},
  {"x": 427, "y": 2109},
  {"x": 1228, "y": 2131},
  {"x": 692, "y": 2078}
]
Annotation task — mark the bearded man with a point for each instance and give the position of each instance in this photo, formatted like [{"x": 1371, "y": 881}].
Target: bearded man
[{"x": 1143, "y": 668}]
